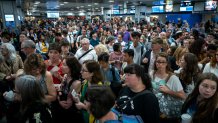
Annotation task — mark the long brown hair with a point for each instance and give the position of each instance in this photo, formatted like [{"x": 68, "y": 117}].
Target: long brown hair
[
  {"x": 168, "y": 68},
  {"x": 93, "y": 67},
  {"x": 34, "y": 61},
  {"x": 213, "y": 61},
  {"x": 206, "y": 107},
  {"x": 191, "y": 69}
]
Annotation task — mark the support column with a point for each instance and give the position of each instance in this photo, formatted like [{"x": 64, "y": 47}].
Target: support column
[{"x": 10, "y": 14}]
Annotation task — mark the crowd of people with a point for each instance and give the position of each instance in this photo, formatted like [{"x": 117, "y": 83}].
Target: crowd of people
[{"x": 54, "y": 71}]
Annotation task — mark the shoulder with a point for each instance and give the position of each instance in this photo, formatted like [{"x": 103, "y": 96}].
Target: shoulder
[
  {"x": 77, "y": 83},
  {"x": 173, "y": 76},
  {"x": 48, "y": 74}
]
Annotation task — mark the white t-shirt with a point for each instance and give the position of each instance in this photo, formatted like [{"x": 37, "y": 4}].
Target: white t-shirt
[
  {"x": 173, "y": 83},
  {"x": 89, "y": 56},
  {"x": 209, "y": 69}
]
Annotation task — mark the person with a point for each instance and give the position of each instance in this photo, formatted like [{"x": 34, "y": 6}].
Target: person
[
  {"x": 100, "y": 48},
  {"x": 165, "y": 83},
  {"x": 149, "y": 56},
  {"x": 145, "y": 105},
  {"x": 80, "y": 37},
  {"x": 29, "y": 47},
  {"x": 110, "y": 43},
  {"x": 33, "y": 107},
  {"x": 116, "y": 57},
  {"x": 54, "y": 63},
  {"x": 202, "y": 103},
  {"x": 128, "y": 55},
  {"x": 137, "y": 47},
  {"x": 35, "y": 66},
  {"x": 65, "y": 109},
  {"x": 92, "y": 76},
  {"x": 99, "y": 102},
  {"x": 86, "y": 48},
  {"x": 42, "y": 45},
  {"x": 110, "y": 73},
  {"x": 189, "y": 71},
  {"x": 11, "y": 63},
  {"x": 65, "y": 49},
  {"x": 94, "y": 40},
  {"x": 211, "y": 67}
]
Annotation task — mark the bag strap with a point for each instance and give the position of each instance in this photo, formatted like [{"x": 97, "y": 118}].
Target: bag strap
[
  {"x": 84, "y": 54},
  {"x": 137, "y": 95},
  {"x": 113, "y": 72}
]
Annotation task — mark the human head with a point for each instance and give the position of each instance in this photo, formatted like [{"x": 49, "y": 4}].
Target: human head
[
  {"x": 200, "y": 81},
  {"x": 28, "y": 90},
  {"x": 28, "y": 47},
  {"x": 214, "y": 59},
  {"x": 5, "y": 37},
  {"x": 154, "y": 35},
  {"x": 58, "y": 37},
  {"x": 128, "y": 55},
  {"x": 72, "y": 67},
  {"x": 117, "y": 47},
  {"x": 110, "y": 39},
  {"x": 119, "y": 37},
  {"x": 101, "y": 100},
  {"x": 54, "y": 51},
  {"x": 34, "y": 65},
  {"x": 135, "y": 36},
  {"x": 91, "y": 70},
  {"x": 22, "y": 37},
  {"x": 189, "y": 62},
  {"x": 208, "y": 86},
  {"x": 85, "y": 44},
  {"x": 8, "y": 51},
  {"x": 65, "y": 46},
  {"x": 103, "y": 59},
  {"x": 100, "y": 48},
  {"x": 140, "y": 74},
  {"x": 171, "y": 50},
  {"x": 162, "y": 61},
  {"x": 156, "y": 44}
]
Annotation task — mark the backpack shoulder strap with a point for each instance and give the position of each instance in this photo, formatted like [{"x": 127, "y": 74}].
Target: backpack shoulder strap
[
  {"x": 142, "y": 50},
  {"x": 84, "y": 54},
  {"x": 137, "y": 95},
  {"x": 113, "y": 72}
]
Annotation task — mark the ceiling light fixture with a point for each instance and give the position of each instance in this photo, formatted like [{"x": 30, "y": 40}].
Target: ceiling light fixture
[{"x": 37, "y": 2}]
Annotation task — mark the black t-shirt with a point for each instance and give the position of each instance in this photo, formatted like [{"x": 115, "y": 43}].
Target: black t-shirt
[{"x": 145, "y": 105}]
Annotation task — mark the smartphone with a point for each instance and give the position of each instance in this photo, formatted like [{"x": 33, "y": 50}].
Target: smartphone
[{"x": 74, "y": 94}]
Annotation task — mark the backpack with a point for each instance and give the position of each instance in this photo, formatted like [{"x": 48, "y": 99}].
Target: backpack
[{"x": 123, "y": 118}]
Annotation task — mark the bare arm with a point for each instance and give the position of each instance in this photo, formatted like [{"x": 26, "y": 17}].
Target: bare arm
[
  {"x": 178, "y": 94},
  {"x": 52, "y": 94}
]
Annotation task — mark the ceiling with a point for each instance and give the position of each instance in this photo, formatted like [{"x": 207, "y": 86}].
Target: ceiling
[{"x": 77, "y": 6}]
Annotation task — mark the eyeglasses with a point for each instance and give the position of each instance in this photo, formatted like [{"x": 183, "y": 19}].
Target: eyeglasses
[
  {"x": 83, "y": 70},
  {"x": 161, "y": 62},
  {"x": 84, "y": 44}
]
